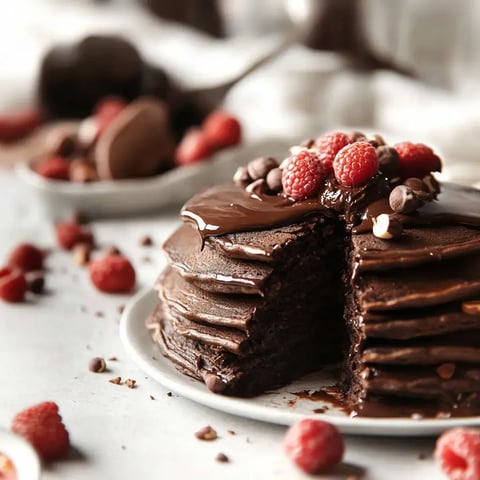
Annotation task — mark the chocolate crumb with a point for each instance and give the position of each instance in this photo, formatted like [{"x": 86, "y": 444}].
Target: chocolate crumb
[
  {"x": 35, "y": 282},
  {"x": 124, "y": 447},
  {"x": 99, "y": 314},
  {"x": 169, "y": 394},
  {"x": 130, "y": 383},
  {"x": 446, "y": 370},
  {"x": 146, "y": 241},
  {"x": 146, "y": 259},
  {"x": 116, "y": 380},
  {"x": 231, "y": 432},
  {"x": 112, "y": 359},
  {"x": 111, "y": 250},
  {"x": 422, "y": 456},
  {"x": 152, "y": 397},
  {"x": 248, "y": 440},
  {"x": 222, "y": 458},
  {"x": 97, "y": 365},
  {"x": 120, "y": 309},
  {"x": 206, "y": 433},
  {"x": 88, "y": 347}
]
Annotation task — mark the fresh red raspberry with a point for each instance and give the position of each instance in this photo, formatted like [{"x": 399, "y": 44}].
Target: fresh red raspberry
[
  {"x": 193, "y": 148},
  {"x": 355, "y": 164},
  {"x": 106, "y": 110},
  {"x": 222, "y": 130},
  {"x": 112, "y": 274},
  {"x": 54, "y": 168},
  {"x": 303, "y": 175},
  {"x": 458, "y": 451},
  {"x": 416, "y": 160},
  {"x": 314, "y": 445},
  {"x": 70, "y": 234},
  {"x": 26, "y": 257},
  {"x": 13, "y": 285},
  {"x": 14, "y": 126},
  {"x": 42, "y": 426},
  {"x": 329, "y": 145}
]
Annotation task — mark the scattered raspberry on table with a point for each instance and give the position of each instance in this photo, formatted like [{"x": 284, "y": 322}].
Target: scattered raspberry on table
[
  {"x": 112, "y": 274},
  {"x": 314, "y": 445},
  {"x": 26, "y": 257},
  {"x": 458, "y": 452},
  {"x": 13, "y": 285},
  {"x": 70, "y": 234},
  {"x": 42, "y": 426}
]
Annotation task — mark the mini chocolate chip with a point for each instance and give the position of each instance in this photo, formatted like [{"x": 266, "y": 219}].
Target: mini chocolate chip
[
  {"x": 472, "y": 307},
  {"x": 241, "y": 177},
  {"x": 387, "y": 227},
  {"x": 97, "y": 365},
  {"x": 146, "y": 241},
  {"x": 446, "y": 371},
  {"x": 274, "y": 180},
  {"x": 222, "y": 458},
  {"x": 356, "y": 136},
  {"x": 259, "y": 167},
  {"x": 35, "y": 282},
  {"x": 388, "y": 161},
  {"x": 257, "y": 186},
  {"x": 206, "y": 433},
  {"x": 403, "y": 200},
  {"x": 376, "y": 140}
]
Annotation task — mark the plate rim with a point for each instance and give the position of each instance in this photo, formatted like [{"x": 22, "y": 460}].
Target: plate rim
[{"x": 184, "y": 386}]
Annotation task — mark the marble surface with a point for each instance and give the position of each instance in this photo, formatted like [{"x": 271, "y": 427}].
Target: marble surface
[{"x": 122, "y": 433}]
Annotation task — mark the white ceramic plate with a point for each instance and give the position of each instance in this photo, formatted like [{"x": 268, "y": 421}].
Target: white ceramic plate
[
  {"x": 130, "y": 197},
  {"x": 280, "y": 406},
  {"x": 22, "y": 455}
]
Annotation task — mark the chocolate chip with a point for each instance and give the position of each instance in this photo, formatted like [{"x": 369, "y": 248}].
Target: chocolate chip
[
  {"x": 388, "y": 161},
  {"x": 169, "y": 394},
  {"x": 387, "y": 227},
  {"x": 446, "y": 371},
  {"x": 356, "y": 136},
  {"x": 152, "y": 397},
  {"x": 376, "y": 140},
  {"x": 259, "y": 167},
  {"x": 274, "y": 180},
  {"x": 130, "y": 383},
  {"x": 35, "y": 282},
  {"x": 222, "y": 458},
  {"x": 206, "y": 433},
  {"x": 97, "y": 365},
  {"x": 257, "y": 186},
  {"x": 146, "y": 241},
  {"x": 472, "y": 307},
  {"x": 403, "y": 200},
  {"x": 241, "y": 177},
  {"x": 116, "y": 380}
]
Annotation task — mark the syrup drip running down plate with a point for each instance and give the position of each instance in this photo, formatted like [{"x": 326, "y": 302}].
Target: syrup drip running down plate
[{"x": 282, "y": 406}]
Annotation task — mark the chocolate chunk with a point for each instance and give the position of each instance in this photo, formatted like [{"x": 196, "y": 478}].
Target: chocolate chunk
[
  {"x": 137, "y": 143},
  {"x": 146, "y": 241},
  {"x": 206, "y": 433},
  {"x": 241, "y": 178},
  {"x": 259, "y": 167},
  {"x": 222, "y": 458},
  {"x": 471, "y": 307},
  {"x": 403, "y": 200},
  {"x": 257, "y": 186},
  {"x": 388, "y": 161},
  {"x": 274, "y": 180},
  {"x": 35, "y": 282},
  {"x": 446, "y": 371},
  {"x": 387, "y": 227},
  {"x": 116, "y": 380},
  {"x": 130, "y": 383},
  {"x": 97, "y": 365}
]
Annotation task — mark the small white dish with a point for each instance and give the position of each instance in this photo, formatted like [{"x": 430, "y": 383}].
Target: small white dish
[
  {"x": 22, "y": 455},
  {"x": 280, "y": 406},
  {"x": 137, "y": 196}
]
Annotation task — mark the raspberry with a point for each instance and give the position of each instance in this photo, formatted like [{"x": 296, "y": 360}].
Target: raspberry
[
  {"x": 70, "y": 234},
  {"x": 54, "y": 168},
  {"x": 355, "y": 164},
  {"x": 17, "y": 125},
  {"x": 416, "y": 160},
  {"x": 112, "y": 274},
  {"x": 222, "y": 130},
  {"x": 329, "y": 145},
  {"x": 13, "y": 285},
  {"x": 42, "y": 426},
  {"x": 194, "y": 147},
  {"x": 458, "y": 451},
  {"x": 26, "y": 257},
  {"x": 303, "y": 175},
  {"x": 106, "y": 110},
  {"x": 314, "y": 445}
]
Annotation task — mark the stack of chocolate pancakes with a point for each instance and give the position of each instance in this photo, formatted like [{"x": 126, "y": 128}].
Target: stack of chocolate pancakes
[{"x": 260, "y": 289}]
